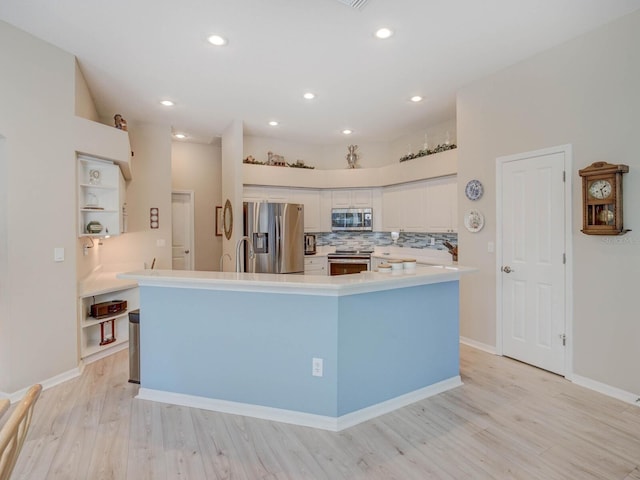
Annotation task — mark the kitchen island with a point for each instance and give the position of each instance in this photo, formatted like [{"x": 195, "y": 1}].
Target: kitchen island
[{"x": 326, "y": 352}]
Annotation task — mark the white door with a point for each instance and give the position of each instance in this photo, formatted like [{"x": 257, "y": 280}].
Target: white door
[
  {"x": 532, "y": 239},
  {"x": 182, "y": 253}
]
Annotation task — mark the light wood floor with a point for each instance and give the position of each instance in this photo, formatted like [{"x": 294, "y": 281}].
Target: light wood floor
[{"x": 508, "y": 421}]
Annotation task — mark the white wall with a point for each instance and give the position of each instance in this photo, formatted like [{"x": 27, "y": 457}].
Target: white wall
[
  {"x": 198, "y": 167},
  {"x": 583, "y": 93},
  {"x": 38, "y": 303},
  {"x": 232, "y": 155},
  {"x": 85, "y": 106},
  {"x": 149, "y": 187},
  {"x": 414, "y": 141}
]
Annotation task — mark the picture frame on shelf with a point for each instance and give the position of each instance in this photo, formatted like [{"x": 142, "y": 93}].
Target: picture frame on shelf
[{"x": 218, "y": 221}]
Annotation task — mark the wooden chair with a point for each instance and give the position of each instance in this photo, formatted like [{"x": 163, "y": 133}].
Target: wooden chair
[
  {"x": 13, "y": 432},
  {"x": 4, "y": 406}
]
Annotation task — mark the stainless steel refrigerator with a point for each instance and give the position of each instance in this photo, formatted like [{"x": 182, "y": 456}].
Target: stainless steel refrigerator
[{"x": 276, "y": 232}]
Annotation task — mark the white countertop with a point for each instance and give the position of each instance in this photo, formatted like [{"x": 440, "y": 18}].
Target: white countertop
[
  {"x": 339, "y": 285},
  {"x": 105, "y": 280}
]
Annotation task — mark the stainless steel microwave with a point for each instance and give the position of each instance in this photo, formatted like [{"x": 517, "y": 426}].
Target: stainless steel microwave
[{"x": 352, "y": 219}]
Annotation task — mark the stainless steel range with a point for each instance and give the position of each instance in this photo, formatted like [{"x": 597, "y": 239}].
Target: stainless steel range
[{"x": 347, "y": 261}]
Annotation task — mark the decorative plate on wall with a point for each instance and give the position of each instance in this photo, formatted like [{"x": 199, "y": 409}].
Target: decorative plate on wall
[
  {"x": 474, "y": 221},
  {"x": 474, "y": 190}
]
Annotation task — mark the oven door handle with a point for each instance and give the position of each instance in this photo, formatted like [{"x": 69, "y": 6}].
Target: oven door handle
[{"x": 358, "y": 261}]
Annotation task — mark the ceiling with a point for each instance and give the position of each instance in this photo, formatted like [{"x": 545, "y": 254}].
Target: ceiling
[{"x": 136, "y": 53}]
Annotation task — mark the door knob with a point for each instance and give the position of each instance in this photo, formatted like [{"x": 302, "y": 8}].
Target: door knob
[
  {"x": 186, "y": 251},
  {"x": 506, "y": 269}
]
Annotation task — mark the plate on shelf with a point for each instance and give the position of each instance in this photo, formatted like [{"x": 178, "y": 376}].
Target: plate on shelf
[{"x": 474, "y": 221}]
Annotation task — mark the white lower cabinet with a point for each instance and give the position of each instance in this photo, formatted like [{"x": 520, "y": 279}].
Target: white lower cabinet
[
  {"x": 94, "y": 331},
  {"x": 315, "y": 265}
]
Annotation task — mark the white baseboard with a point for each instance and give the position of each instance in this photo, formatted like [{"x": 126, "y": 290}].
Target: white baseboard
[
  {"x": 48, "y": 383},
  {"x": 367, "y": 413},
  {"x": 479, "y": 345},
  {"x": 605, "y": 389},
  {"x": 334, "y": 424}
]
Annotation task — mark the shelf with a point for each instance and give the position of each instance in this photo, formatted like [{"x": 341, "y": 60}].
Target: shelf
[
  {"x": 107, "y": 194},
  {"x": 99, "y": 187},
  {"x": 89, "y": 331},
  {"x": 91, "y": 321}
]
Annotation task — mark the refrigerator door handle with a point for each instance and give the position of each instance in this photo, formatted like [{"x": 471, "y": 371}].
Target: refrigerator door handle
[{"x": 278, "y": 252}]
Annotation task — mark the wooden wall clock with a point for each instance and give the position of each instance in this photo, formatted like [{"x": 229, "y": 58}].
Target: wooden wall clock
[{"x": 602, "y": 199}]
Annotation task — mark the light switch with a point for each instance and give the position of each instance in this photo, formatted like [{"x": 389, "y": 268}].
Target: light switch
[
  {"x": 58, "y": 254},
  {"x": 491, "y": 247},
  {"x": 160, "y": 242}
]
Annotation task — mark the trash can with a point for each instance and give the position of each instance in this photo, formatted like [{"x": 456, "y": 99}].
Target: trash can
[{"x": 134, "y": 346}]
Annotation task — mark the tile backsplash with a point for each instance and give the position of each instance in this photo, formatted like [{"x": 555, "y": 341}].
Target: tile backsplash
[{"x": 370, "y": 240}]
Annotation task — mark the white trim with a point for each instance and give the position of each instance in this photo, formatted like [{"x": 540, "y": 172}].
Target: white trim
[
  {"x": 567, "y": 150},
  {"x": 485, "y": 347},
  {"x": 334, "y": 424},
  {"x": 605, "y": 389},
  {"x": 192, "y": 220},
  {"x": 48, "y": 383},
  {"x": 94, "y": 357}
]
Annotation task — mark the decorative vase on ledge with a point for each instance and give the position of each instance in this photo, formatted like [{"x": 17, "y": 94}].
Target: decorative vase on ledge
[{"x": 352, "y": 156}]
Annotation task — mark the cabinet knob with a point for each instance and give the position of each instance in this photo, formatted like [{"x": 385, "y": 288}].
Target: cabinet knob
[
  {"x": 186, "y": 251},
  {"x": 506, "y": 269}
]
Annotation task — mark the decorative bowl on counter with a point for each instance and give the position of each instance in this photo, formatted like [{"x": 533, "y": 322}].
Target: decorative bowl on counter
[
  {"x": 384, "y": 267},
  {"x": 94, "y": 227}
]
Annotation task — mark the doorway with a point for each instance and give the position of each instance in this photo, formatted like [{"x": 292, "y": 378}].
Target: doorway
[
  {"x": 182, "y": 230},
  {"x": 533, "y": 239}
]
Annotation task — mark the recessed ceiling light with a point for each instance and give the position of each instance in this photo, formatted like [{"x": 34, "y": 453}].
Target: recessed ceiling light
[
  {"x": 273, "y": 123},
  {"x": 180, "y": 135},
  {"x": 217, "y": 40},
  {"x": 384, "y": 33},
  {"x": 167, "y": 103},
  {"x": 346, "y": 131},
  {"x": 416, "y": 98},
  {"x": 309, "y": 96}
]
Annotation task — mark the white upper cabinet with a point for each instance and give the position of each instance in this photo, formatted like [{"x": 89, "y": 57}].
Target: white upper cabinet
[
  {"x": 441, "y": 205},
  {"x": 310, "y": 198},
  {"x": 325, "y": 210},
  {"x": 392, "y": 205},
  {"x": 101, "y": 197},
  {"x": 351, "y": 198},
  {"x": 266, "y": 194},
  {"x": 428, "y": 206}
]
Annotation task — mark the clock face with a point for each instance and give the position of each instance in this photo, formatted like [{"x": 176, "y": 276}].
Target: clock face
[{"x": 600, "y": 189}]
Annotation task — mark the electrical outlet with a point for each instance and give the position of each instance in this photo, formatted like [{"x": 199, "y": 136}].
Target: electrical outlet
[{"x": 316, "y": 367}]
